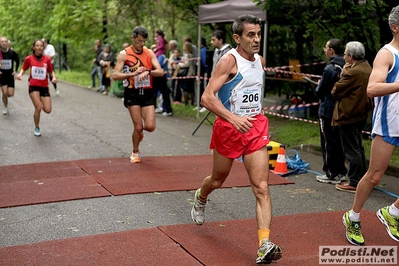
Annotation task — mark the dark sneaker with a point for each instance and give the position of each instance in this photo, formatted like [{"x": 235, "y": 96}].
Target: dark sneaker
[
  {"x": 391, "y": 223},
  {"x": 198, "y": 209},
  {"x": 353, "y": 233},
  {"x": 268, "y": 252}
]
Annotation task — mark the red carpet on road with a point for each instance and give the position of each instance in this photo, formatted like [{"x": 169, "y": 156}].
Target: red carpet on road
[
  {"x": 214, "y": 243},
  {"x": 60, "y": 181}
]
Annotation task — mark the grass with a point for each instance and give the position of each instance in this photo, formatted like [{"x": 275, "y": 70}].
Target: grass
[
  {"x": 289, "y": 132},
  {"x": 75, "y": 77}
]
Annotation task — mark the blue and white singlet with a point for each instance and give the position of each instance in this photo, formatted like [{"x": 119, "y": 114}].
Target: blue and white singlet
[
  {"x": 386, "y": 110},
  {"x": 243, "y": 94}
]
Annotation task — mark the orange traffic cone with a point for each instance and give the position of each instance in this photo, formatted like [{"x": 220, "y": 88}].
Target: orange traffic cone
[{"x": 281, "y": 164}]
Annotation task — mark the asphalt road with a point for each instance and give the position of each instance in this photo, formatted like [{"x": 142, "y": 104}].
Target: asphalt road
[{"x": 85, "y": 124}]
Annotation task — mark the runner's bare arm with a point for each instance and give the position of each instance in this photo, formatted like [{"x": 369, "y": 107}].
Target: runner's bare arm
[
  {"x": 225, "y": 70},
  {"x": 120, "y": 62},
  {"x": 157, "y": 70},
  {"x": 377, "y": 86}
]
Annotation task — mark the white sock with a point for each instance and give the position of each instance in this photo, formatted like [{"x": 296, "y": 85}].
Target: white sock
[
  {"x": 354, "y": 216},
  {"x": 393, "y": 211}
]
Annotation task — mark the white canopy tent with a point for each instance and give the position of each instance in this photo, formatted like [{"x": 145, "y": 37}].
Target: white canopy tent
[{"x": 228, "y": 11}]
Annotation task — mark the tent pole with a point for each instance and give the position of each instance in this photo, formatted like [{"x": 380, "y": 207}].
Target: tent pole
[
  {"x": 265, "y": 39},
  {"x": 198, "y": 81}
]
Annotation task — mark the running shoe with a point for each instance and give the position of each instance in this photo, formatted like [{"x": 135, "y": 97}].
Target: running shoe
[
  {"x": 335, "y": 180},
  {"x": 5, "y": 111},
  {"x": 198, "y": 209},
  {"x": 353, "y": 232},
  {"x": 167, "y": 113},
  {"x": 57, "y": 91},
  {"x": 37, "y": 132},
  {"x": 268, "y": 252},
  {"x": 203, "y": 109},
  {"x": 135, "y": 158},
  {"x": 391, "y": 223}
]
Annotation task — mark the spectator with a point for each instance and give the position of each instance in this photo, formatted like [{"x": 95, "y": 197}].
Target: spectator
[
  {"x": 172, "y": 47},
  {"x": 193, "y": 46},
  {"x": 161, "y": 43},
  {"x": 330, "y": 139},
  {"x": 50, "y": 52},
  {"x": 350, "y": 111},
  {"x": 219, "y": 44},
  {"x": 176, "y": 94},
  {"x": 98, "y": 48},
  {"x": 203, "y": 70},
  {"x": 188, "y": 84},
  {"x": 161, "y": 85},
  {"x": 106, "y": 60}
]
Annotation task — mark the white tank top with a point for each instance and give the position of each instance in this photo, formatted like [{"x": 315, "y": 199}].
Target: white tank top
[
  {"x": 386, "y": 110},
  {"x": 243, "y": 94}
]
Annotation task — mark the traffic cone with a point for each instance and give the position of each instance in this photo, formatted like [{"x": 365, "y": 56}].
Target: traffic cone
[{"x": 281, "y": 164}]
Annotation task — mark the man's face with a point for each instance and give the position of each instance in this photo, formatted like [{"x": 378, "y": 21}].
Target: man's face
[
  {"x": 138, "y": 43},
  {"x": 328, "y": 51},
  {"x": 216, "y": 43},
  {"x": 250, "y": 38},
  {"x": 4, "y": 43}
]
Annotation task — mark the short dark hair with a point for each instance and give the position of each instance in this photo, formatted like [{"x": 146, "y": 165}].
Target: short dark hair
[
  {"x": 238, "y": 25},
  {"x": 160, "y": 32},
  {"x": 139, "y": 30},
  {"x": 203, "y": 41},
  {"x": 220, "y": 35},
  {"x": 337, "y": 46}
]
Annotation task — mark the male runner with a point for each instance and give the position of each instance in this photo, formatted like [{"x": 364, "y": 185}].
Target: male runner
[
  {"x": 7, "y": 76},
  {"x": 240, "y": 129},
  {"x": 136, "y": 65}
]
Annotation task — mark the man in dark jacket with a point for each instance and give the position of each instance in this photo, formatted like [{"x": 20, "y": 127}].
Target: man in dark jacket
[
  {"x": 331, "y": 147},
  {"x": 350, "y": 112}
]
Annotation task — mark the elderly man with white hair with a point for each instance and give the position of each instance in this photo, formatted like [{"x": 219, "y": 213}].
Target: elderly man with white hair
[{"x": 351, "y": 111}]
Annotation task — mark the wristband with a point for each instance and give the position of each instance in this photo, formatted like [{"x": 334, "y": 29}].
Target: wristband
[{"x": 149, "y": 72}]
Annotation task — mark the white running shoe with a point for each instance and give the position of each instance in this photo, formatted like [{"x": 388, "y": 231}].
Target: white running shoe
[
  {"x": 57, "y": 91},
  {"x": 203, "y": 109},
  {"x": 5, "y": 111},
  {"x": 268, "y": 252},
  {"x": 135, "y": 158},
  {"x": 198, "y": 209}
]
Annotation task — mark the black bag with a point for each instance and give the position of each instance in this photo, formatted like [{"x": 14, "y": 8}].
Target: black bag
[{"x": 182, "y": 72}]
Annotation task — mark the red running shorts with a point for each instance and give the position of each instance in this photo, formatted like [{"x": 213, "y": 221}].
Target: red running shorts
[{"x": 231, "y": 143}]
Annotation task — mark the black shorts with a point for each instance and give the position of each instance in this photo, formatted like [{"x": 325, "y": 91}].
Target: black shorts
[
  {"x": 44, "y": 92},
  {"x": 7, "y": 79},
  {"x": 142, "y": 97}
]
